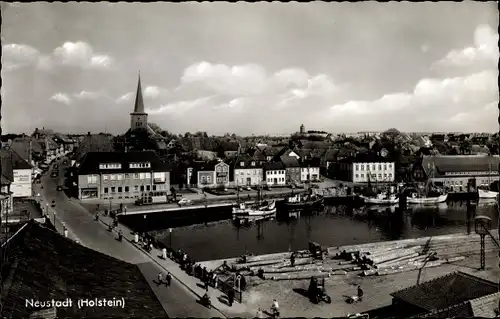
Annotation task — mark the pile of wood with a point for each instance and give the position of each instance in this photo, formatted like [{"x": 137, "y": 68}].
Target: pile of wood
[{"x": 378, "y": 259}]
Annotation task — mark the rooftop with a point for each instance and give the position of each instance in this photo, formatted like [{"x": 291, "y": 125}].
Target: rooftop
[
  {"x": 447, "y": 291},
  {"x": 17, "y": 161},
  {"x": 460, "y": 163},
  {"x": 66, "y": 269},
  {"x": 90, "y": 163}
]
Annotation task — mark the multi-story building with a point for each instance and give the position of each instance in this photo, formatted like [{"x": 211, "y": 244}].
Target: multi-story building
[
  {"x": 121, "y": 175},
  {"x": 292, "y": 169},
  {"x": 21, "y": 185},
  {"x": 310, "y": 171},
  {"x": 210, "y": 175},
  {"x": 246, "y": 172},
  {"x": 364, "y": 168},
  {"x": 6, "y": 179},
  {"x": 275, "y": 174},
  {"x": 456, "y": 171}
]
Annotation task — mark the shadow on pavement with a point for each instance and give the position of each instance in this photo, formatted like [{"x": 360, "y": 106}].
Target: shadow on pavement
[
  {"x": 223, "y": 299},
  {"x": 301, "y": 291}
]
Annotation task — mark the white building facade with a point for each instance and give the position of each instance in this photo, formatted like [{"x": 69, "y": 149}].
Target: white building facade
[
  {"x": 248, "y": 173},
  {"x": 275, "y": 174},
  {"x": 309, "y": 174},
  {"x": 382, "y": 172}
]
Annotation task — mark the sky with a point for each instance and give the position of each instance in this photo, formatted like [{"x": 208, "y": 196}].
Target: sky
[{"x": 263, "y": 68}]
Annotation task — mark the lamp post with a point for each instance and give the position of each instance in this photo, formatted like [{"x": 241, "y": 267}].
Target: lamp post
[
  {"x": 482, "y": 225},
  {"x": 144, "y": 223},
  {"x": 54, "y": 219},
  {"x": 170, "y": 238}
]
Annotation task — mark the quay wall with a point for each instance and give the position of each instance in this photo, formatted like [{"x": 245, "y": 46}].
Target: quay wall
[{"x": 457, "y": 239}]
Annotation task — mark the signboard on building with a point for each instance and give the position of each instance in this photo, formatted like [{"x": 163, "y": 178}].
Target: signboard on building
[{"x": 21, "y": 186}]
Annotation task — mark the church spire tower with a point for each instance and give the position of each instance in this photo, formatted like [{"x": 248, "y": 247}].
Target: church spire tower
[{"x": 139, "y": 118}]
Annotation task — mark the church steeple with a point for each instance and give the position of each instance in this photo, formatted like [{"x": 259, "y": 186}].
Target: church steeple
[
  {"x": 139, "y": 103},
  {"x": 139, "y": 118}
]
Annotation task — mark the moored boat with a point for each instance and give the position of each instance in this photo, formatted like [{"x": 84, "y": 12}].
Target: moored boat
[
  {"x": 424, "y": 200},
  {"x": 264, "y": 209},
  {"x": 380, "y": 199},
  {"x": 301, "y": 201},
  {"x": 483, "y": 193}
]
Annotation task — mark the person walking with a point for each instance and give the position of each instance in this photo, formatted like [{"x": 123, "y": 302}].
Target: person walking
[
  {"x": 164, "y": 253},
  {"x": 160, "y": 278},
  {"x": 168, "y": 279},
  {"x": 230, "y": 297}
]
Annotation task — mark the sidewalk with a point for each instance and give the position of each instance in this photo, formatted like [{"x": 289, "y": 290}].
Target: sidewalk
[{"x": 190, "y": 282}]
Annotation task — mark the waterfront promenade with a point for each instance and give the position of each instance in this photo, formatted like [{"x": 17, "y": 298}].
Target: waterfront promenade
[{"x": 177, "y": 300}]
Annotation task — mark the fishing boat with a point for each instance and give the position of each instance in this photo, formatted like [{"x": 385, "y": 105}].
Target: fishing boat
[
  {"x": 484, "y": 193},
  {"x": 380, "y": 199},
  {"x": 258, "y": 209},
  {"x": 428, "y": 197},
  {"x": 301, "y": 201}
]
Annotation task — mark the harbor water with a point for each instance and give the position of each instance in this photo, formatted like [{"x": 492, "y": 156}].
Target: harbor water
[{"x": 214, "y": 234}]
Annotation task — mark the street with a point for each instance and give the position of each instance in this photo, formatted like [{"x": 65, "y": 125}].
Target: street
[{"x": 176, "y": 299}]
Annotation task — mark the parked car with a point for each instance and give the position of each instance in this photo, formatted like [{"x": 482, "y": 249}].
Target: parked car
[
  {"x": 185, "y": 202},
  {"x": 248, "y": 188},
  {"x": 54, "y": 174},
  {"x": 59, "y": 188},
  {"x": 53, "y": 204}
]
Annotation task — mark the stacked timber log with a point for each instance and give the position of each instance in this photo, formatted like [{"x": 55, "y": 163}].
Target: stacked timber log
[{"x": 374, "y": 259}]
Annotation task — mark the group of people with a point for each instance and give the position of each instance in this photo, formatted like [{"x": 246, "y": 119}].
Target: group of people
[{"x": 167, "y": 279}]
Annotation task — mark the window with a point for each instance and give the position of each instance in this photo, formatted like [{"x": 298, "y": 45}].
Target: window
[
  {"x": 142, "y": 176},
  {"x": 112, "y": 177},
  {"x": 136, "y": 175},
  {"x": 92, "y": 179},
  {"x": 390, "y": 175},
  {"x": 219, "y": 169},
  {"x": 203, "y": 179},
  {"x": 148, "y": 175},
  {"x": 362, "y": 175},
  {"x": 110, "y": 166},
  {"x": 120, "y": 189},
  {"x": 105, "y": 190},
  {"x": 253, "y": 163},
  {"x": 142, "y": 188},
  {"x": 105, "y": 177},
  {"x": 127, "y": 189},
  {"x": 119, "y": 177},
  {"x": 379, "y": 167},
  {"x": 380, "y": 176},
  {"x": 373, "y": 167},
  {"x": 154, "y": 187},
  {"x": 242, "y": 164},
  {"x": 385, "y": 167},
  {"x": 357, "y": 167},
  {"x": 148, "y": 187},
  {"x": 362, "y": 168},
  {"x": 357, "y": 175},
  {"x": 385, "y": 175},
  {"x": 140, "y": 165},
  {"x": 113, "y": 189},
  {"x": 136, "y": 188},
  {"x": 127, "y": 176}
]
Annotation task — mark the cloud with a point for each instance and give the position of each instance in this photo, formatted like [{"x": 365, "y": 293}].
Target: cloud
[
  {"x": 80, "y": 54},
  {"x": 155, "y": 92},
  {"x": 181, "y": 107},
  {"x": 74, "y": 54},
  {"x": 431, "y": 99},
  {"x": 16, "y": 56},
  {"x": 61, "y": 98},
  {"x": 86, "y": 95},
  {"x": 485, "y": 50},
  {"x": 127, "y": 97}
]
